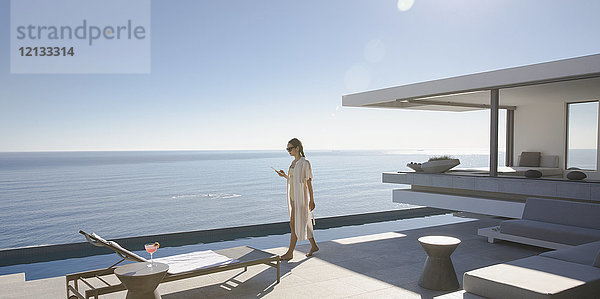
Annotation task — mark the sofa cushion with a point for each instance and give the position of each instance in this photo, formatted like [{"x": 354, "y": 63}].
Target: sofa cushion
[
  {"x": 558, "y": 233},
  {"x": 563, "y": 212},
  {"x": 597, "y": 260},
  {"x": 549, "y": 161},
  {"x": 534, "y": 277},
  {"x": 583, "y": 254},
  {"x": 530, "y": 159}
]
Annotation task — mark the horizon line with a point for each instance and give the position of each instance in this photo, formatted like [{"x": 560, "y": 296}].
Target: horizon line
[{"x": 266, "y": 149}]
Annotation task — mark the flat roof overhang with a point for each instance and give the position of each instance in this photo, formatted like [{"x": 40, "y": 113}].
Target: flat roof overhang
[{"x": 578, "y": 76}]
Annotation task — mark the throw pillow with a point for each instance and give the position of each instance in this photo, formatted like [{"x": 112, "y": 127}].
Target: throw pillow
[
  {"x": 530, "y": 159},
  {"x": 576, "y": 175},
  {"x": 533, "y": 173}
]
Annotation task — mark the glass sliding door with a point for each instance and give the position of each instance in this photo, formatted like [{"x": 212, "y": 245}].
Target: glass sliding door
[{"x": 582, "y": 135}]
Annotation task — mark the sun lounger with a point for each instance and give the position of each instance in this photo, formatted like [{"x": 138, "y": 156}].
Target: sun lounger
[{"x": 238, "y": 257}]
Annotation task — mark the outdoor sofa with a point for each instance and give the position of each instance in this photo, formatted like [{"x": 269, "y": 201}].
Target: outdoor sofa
[
  {"x": 550, "y": 223},
  {"x": 572, "y": 271},
  {"x": 566, "y": 273},
  {"x": 547, "y": 165},
  {"x": 84, "y": 285}
]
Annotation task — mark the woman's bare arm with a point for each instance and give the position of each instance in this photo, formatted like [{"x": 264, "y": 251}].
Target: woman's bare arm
[{"x": 311, "y": 204}]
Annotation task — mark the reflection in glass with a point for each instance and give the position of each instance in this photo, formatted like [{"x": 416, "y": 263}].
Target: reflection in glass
[{"x": 582, "y": 143}]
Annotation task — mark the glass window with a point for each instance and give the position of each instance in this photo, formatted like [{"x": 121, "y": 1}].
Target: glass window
[{"x": 582, "y": 135}]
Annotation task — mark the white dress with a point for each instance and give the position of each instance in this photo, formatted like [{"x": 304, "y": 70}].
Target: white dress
[{"x": 298, "y": 197}]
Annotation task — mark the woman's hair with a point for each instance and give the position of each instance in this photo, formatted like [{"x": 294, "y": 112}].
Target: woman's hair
[{"x": 296, "y": 143}]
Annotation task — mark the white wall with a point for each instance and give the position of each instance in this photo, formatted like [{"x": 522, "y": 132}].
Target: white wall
[{"x": 541, "y": 128}]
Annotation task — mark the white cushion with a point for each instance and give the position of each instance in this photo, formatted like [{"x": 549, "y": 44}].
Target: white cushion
[
  {"x": 549, "y": 161},
  {"x": 534, "y": 277},
  {"x": 195, "y": 260}
]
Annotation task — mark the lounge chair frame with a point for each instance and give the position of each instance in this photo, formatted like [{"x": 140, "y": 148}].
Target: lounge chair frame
[{"x": 246, "y": 256}]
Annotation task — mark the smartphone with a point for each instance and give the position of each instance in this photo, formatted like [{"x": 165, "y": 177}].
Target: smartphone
[{"x": 275, "y": 169}]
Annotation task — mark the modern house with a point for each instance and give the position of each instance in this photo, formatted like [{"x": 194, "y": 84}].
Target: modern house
[{"x": 551, "y": 108}]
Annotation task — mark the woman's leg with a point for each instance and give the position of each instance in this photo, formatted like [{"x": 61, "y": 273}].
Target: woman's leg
[
  {"x": 293, "y": 239},
  {"x": 311, "y": 238}
]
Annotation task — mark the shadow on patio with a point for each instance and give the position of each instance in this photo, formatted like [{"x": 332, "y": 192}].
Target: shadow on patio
[{"x": 378, "y": 265}]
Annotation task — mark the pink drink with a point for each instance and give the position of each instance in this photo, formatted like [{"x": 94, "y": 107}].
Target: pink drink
[{"x": 150, "y": 248}]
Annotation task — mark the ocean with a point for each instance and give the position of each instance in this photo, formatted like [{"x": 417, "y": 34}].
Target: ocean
[{"x": 47, "y": 197}]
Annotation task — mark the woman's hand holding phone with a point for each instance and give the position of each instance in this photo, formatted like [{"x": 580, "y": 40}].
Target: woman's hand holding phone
[{"x": 281, "y": 173}]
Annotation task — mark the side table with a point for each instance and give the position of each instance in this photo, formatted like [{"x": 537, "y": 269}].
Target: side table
[
  {"x": 438, "y": 273},
  {"x": 141, "y": 280}
]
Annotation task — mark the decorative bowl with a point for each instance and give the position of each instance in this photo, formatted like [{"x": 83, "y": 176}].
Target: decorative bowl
[
  {"x": 439, "y": 166},
  {"x": 415, "y": 166}
]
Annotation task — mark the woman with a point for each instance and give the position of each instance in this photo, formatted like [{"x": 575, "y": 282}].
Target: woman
[{"x": 300, "y": 198}]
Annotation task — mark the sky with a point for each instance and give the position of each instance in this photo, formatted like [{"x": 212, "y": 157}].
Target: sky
[{"x": 250, "y": 75}]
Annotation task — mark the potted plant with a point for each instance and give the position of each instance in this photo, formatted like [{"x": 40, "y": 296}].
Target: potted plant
[{"x": 439, "y": 164}]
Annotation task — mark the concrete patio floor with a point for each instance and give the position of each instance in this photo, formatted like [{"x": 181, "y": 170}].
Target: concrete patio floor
[{"x": 381, "y": 265}]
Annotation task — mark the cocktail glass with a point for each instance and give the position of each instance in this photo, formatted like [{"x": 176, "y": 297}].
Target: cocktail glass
[{"x": 151, "y": 248}]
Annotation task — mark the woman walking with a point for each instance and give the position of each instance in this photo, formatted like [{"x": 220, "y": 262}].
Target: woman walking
[{"x": 299, "y": 198}]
